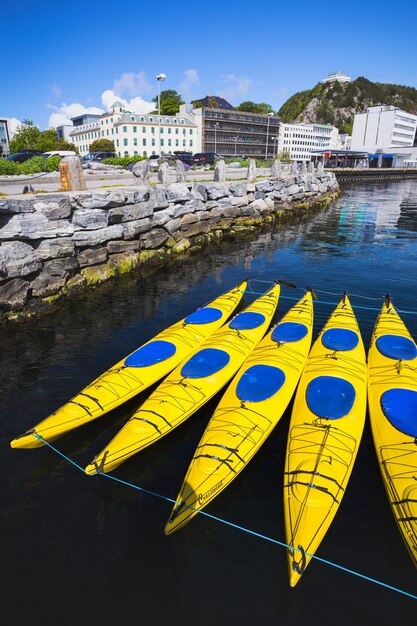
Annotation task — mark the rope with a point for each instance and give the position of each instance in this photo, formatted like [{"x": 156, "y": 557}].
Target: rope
[{"x": 236, "y": 526}]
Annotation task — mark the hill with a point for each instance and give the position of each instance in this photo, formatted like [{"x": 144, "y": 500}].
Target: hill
[{"x": 336, "y": 103}]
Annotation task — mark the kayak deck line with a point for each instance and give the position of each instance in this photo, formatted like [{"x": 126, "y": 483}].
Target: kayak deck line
[{"x": 232, "y": 525}]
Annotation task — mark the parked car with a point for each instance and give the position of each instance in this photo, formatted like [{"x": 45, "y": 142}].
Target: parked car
[
  {"x": 98, "y": 156},
  {"x": 185, "y": 157},
  {"x": 205, "y": 158},
  {"x": 21, "y": 157},
  {"x": 60, "y": 153}
]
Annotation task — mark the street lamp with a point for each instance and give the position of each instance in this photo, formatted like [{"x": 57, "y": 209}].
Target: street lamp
[
  {"x": 159, "y": 78},
  {"x": 235, "y": 140},
  {"x": 216, "y": 125},
  {"x": 273, "y": 147},
  {"x": 267, "y": 133}
]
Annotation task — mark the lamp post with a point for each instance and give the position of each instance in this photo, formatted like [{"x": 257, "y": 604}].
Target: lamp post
[
  {"x": 159, "y": 78},
  {"x": 274, "y": 139},
  {"x": 216, "y": 125},
  {"x": 267, "y": 133},
  {"x": 235, "y": 140}
]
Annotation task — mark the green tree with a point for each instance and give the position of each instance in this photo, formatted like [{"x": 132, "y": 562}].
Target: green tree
[
  {"x": 255, "y": 107},
  {"x": 284, "y": 156},
  {"x": 28, "y": 136},
  {"x": 170, "y": 101},
  {"x": 61, "y": 144},
  {"x": 101, "y": 145}
]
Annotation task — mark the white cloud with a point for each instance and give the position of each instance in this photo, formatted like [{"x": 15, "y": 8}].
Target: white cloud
[
  {"x": 188, "y": 85},
  {"x": 237, "y": 86},
  {"x": 56, "y": 91},
  {"x": 136, "y": 105},
  {"x": 63, "y": 114},
  {"x": 132, "y": 84},
  {"x": 12, "y": 124}
]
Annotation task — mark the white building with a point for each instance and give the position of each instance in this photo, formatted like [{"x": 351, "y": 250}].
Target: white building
[
  {"x": 4, "y": 136},
  {"x": 383, "y": 128},
  {"x": 300, "y": 139},
  {"x": 139, "y": 135},
  {"x": 336, "y": 76}
]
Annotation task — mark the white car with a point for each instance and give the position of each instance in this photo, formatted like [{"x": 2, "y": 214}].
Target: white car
[{"x": 61, "y": 153}]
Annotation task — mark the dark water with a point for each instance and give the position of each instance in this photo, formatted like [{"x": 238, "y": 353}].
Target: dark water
[{"x": 76, "y": 549}]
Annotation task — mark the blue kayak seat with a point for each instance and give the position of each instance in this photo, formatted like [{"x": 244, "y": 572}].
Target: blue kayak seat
[
  {"x": 204, "y": 363},
  {"x": 259, "y": 382},
  {"x": 339, "y": 339},
  {"x": 151, "y": 353},
  {"x": 288, "y": 332},
  {"x": 246, "y": 321},
  {"x": 330, "y": 397},
  {"x": 204, "y": 316},
  {"x": 397, "y": 347},
  {"x": 400, "y": 408}
]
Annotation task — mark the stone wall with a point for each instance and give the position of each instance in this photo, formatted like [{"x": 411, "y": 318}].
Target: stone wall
[{"x": 53, "y": 245}]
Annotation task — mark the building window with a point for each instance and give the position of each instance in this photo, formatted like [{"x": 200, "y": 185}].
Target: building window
[
  {"x": 125, "y": 129},
  {"x": 144, "y": 129},
  {"x": 169, "y": 142},
  {"x": 162, "y": 142},
  {"x": 142, "y": 119},
  {"x": 125, "y": 142},
  {"x": 169, "y": 130},
  {"x": 175, "y": 120},
  {"x": 117, "y": 142},
  {"x": 162, "y": 129},
  {"x": 135, "y": 141},
  {"x": 177, "y": 143},
  {"x": 135, "y": 153},
  {"x": 153, "y": 142},
  {"x": 107, "y": 131},
  {"x": 145, "y": 153},
  {"x": 117, "y": 130},
  {"x": 144, "y": 142},
  {"x": 167, "y": 120},
  {"x": 191, "y": 143},
  {"x": 151, "y": 119},
  {"x": 126, "y": 153},
  {"x": 176, "y": 131},
  {"x": 183, "y": 143},
  {"x": 153, "y": 130},
  {"x": 191, "y": 131},
  {"x": 135, "y": 129}
]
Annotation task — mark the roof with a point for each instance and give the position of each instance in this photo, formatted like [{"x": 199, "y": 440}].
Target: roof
[
  {"x": 134, "y": 118},
  {"x": 209, "y": 100}
]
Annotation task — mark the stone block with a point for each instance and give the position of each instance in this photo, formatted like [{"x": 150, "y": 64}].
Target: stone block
[
  {"x": 34, "y": 226},
  {"x": 173, "y": 225},
  {"x": 239, "y": 201},
  {"x": 159, "y": 218},
  {"x": 18, "y": 259},
  {"x": 199, "y": 191},
  {"x": 54, "y": 248},
  {"x": 133, "y": 229},
  {"x": 45, "y": 285},
  {"x": 131, "y": 212},
  {"x": 217, "y": 190},
  {"x": 202, "y": 215},
  {"x": 11, "y": 207},
  {"x": 94, "y": 237},
  {"x": 155, "y": 238},
  {"x": 97, "y": 274},
  {"x": 216, "y": 211},
  {"x": 188, "y": 219},
  {"x": 116, "y": 247},
  {"x": 90, "y": 219},
  {"x": 97, "y": 199},
  {"x": 189, "y": 207},
  {"x": 92, "y": 256},
  {"x": 178, "y": 192},
  {"x": 54, "y": 208},
  {"x": 238, "y": 189},
  {"x": 14, "y": 292},
  {"x": 181, "y": 246}
]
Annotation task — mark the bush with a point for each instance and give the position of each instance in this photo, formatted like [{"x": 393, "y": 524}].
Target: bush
[
  {"x": 39, "y": 164},
  {"x": 123, "y": 161},
  {"x": 8, "y": 168}
]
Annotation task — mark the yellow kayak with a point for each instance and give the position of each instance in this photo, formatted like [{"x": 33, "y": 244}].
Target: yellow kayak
[
  {"x": 326, "y": 426},
  {"x": 247, "y": 413},
  {"x": 392, "y": 398},
  {"x": 191, "y": 384},
  {"x": 136, "y": 372}
]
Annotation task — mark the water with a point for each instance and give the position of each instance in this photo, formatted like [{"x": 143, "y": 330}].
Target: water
[{"x": 77, "y": 549}]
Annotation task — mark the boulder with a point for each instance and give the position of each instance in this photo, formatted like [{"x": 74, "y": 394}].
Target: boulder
[
  {"x": 18, "y": 259},
  {"x": 90, "y": 219},
  {"x": 14, "y": 292}
]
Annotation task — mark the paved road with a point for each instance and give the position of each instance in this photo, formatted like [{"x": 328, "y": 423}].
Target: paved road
[{"x": 101, "y": 181}]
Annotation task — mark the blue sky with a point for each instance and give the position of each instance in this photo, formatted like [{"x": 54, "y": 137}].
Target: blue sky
[{"x": 62, "y": 58}]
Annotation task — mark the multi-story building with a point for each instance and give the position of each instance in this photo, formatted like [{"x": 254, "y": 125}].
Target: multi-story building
[
  {"x": 138, "y": 135},
  {"x": 4, "y": 137},
  {"x": 301, "y": 139},
  {"x": 230, "y": 132},
  {"x": 383, "y": 128},
  {"x": 336, "y": 76}
]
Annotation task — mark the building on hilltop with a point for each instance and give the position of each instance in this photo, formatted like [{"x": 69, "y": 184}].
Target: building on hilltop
[
  {"x": 300, "y": 140},
  {"x": 336, "y": 76},
  {"x": 4, "y": 136},
  {"x": 387, "y": 133},
  {"x": 233, "y": 133}
]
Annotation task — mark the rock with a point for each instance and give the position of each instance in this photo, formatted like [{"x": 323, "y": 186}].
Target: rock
[
  {"x": 133, "y": 229},
  {"x": 303, "y": 168},
  {"x": 94, "y": 237},
  {"x": 180, "y": 171},
  {"x": 54, "y": 210},
  {"x": 159, "y": 198},
  {"x": 264, "y": 186},
  {"x": 188, "y": 207},
  {"x": 239, "y": 201},
  {"x": 54, "y": 248},
  {"x": 294, "y": 168},
  {"x": 155, "y": 238},
  {"x": 173, "y": 225},
  {"x": 90, "y": 219},
  {"x": 251, "y": 173},
  {"x": 141, "y": 171},
  {"x": 181, "y": 245},
  {"x": 178, "y": 192},
  {"x": 139, "y": 193},
  {"x": 320, "y": 169},
  {"x": 188, "y": 219},
  {"x": 18, "y": 259},
  {"x": 199, "y": 191},
  {"x": 238, "y": 189},
  {"x": 310, "y": 167},
  {"x": 16, "y": 206},
  {"x": 130, "y": 212},
  {"x": 163, "y": 173},
  {"x": 35, "y": 226},
  {"x": 217, "y": 190},
  {"x": 276, "y": 169},
  {"x": 97, "y": 274},
  {"x": 14, "y": 292},
  {"x": 116, "y": 247},
  {"x": 258, "y": 205},
  {"x": 45, "y": 285},
  {"x": 61, "y": 267},
  {"x": 98, "y": 199},
  {"x": 71, "y": 173},
  {"x": 219, "y": 171},
  {"x": 92, "y": 256}
]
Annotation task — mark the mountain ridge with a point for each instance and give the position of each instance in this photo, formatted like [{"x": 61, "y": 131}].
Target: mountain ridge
[{"x": 336, "y": 103}]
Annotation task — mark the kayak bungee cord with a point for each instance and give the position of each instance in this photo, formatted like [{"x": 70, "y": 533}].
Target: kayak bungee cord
[{"x": 232, "y": 525}]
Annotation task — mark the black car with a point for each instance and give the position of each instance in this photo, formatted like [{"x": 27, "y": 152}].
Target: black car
[
  {"x": 205, "y": 158},
  {"x": 21, "y": 157},
  {"x": 98, "y": 156},
  {"x": 185, "y": 157}
]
